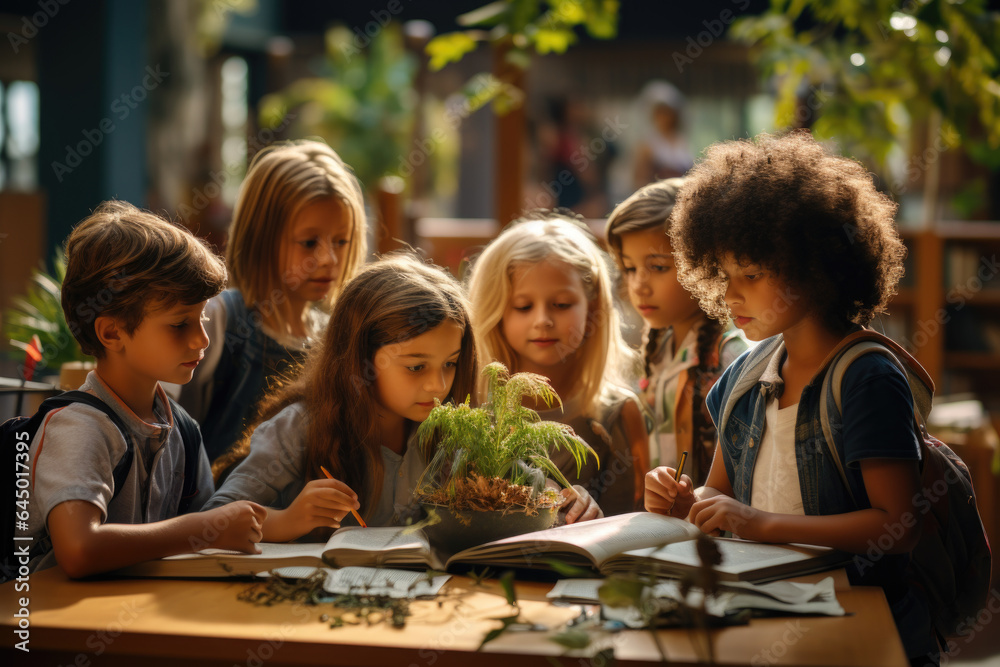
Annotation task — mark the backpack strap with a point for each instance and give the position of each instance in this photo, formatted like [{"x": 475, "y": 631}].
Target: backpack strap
[
  {"x": 124, "y": 465},
  {"x": 831, "y": 387},
  {"x": 193, "y": 448},
  {"x": 854, "y": 346},
  {"x": 121, "y": 469}
]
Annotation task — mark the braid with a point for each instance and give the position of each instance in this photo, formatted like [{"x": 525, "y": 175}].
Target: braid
[
  {"x": 701, "y": 427},
  {"x": 647, "y": 354}
]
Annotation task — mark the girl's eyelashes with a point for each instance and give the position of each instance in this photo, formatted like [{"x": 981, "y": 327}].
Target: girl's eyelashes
[
  {"x": 526, "y": 308},
  {"x": 658, "y": 268},
  {"x": 309, "y": 244},
  {"x": 179, "y": 325},
  {"x": 420, "y": 367}
]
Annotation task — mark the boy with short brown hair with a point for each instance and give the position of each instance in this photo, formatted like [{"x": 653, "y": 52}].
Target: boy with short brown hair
[{"x": 133, "y": 296}]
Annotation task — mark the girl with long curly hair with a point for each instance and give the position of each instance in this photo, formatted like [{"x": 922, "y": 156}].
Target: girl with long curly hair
[{"x": 797, "y": 246}]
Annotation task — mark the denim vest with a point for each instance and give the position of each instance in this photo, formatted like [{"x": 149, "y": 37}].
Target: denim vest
[{"x": 737, "y": 404}]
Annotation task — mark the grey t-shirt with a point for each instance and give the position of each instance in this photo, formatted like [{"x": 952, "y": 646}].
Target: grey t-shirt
[
  {"x": 273, "y": 474},
  {"x": 75, "y": 451}
]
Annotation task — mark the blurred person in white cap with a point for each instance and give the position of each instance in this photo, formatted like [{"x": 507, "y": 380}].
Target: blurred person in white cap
[{"x": 664, "y": 153}]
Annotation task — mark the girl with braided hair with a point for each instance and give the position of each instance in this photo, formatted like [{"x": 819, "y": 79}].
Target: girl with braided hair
[{"x": 684, "y": 350}]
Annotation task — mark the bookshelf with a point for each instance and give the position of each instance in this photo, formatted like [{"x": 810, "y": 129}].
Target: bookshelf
[
  {"x": 947, "y": 311},
  {"x": 947, "y": 314}
]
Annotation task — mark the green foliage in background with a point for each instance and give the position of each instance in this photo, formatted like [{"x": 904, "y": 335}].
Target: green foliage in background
[
  {"x": 362, "y": 105},
  {"x": 910, "y": 59},
  {"x": 502, "y": 439},
  {"x": 39, "y": 312},
  {"x": 525, "y": 26}
]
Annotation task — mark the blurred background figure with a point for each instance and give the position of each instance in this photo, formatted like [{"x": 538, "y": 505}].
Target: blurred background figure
[
  {"x": 664, "y": 153},
  {"x": 575, "y": 158}
]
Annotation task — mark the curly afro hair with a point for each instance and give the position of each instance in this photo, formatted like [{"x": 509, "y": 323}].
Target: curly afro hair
[{"x": 786, "y": 203}]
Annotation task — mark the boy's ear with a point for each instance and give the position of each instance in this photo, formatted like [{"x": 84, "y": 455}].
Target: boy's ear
[{"x": 109, "y": 333}]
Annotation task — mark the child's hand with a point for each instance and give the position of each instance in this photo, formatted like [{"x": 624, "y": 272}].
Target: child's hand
[
  {"x": 583, "y": 507},
  {"x": 236, "y": 526},
  {"x": 322, "y": 503},
  {"x": 721, "y": 513},
  {"x": 664, "y": 495}
]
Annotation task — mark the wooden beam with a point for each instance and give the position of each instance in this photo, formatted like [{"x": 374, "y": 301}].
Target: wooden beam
[{"x": 508, "y": 179}]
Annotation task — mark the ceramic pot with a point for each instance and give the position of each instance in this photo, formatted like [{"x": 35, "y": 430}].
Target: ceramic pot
[{"x": 461, "y": 529}]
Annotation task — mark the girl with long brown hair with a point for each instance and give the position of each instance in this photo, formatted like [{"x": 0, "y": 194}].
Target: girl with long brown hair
[{"x": 399, "y": 338}]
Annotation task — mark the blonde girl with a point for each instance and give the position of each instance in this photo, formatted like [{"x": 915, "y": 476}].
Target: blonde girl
[
  {"x": 542, "y": 301},
  {"x": 684, "y": 350},
  {"x": 298, "y": 235},
  {"x": 399, "y": 339}
]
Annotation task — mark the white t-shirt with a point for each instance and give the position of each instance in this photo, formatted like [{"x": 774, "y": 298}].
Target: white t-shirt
[{"x": 775, "y": 475}]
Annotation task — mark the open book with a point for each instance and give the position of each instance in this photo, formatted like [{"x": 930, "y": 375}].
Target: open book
[{"x": 639, "y": 540}]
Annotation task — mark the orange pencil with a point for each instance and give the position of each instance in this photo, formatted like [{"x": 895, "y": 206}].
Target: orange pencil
[{"x": 356, "y": 515}]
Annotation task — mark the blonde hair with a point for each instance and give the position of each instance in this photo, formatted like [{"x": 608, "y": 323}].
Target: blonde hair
[
  {"x": 604, "y": 357},
  {"x": 284, "y": 178},
  {"x": 123, "y": 262}
]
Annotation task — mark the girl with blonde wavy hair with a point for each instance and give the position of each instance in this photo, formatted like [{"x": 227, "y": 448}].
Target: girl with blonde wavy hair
[
  {"x": 298, "y": 235},
  {"x": 542, "y": 301}
]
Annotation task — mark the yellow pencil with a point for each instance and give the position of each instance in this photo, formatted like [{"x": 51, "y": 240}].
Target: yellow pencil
[
  {"x": 678, "y": 473},
  {"x": 356, "y": 515}
]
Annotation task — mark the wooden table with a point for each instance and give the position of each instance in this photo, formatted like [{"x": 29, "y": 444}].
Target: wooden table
[{"x": 164, "y": 622}]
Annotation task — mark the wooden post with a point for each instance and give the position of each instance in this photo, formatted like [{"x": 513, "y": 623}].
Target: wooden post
[
  {"x": 389, "y": 198},
  {"x": 508, "y": 179}
]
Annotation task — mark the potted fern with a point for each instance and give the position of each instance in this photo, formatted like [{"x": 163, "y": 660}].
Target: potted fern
[{"x": 489, "y": 465}]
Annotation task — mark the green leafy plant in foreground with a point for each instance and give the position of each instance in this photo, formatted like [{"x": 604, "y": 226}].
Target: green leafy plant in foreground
[{"x": 503, "y": 440}]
